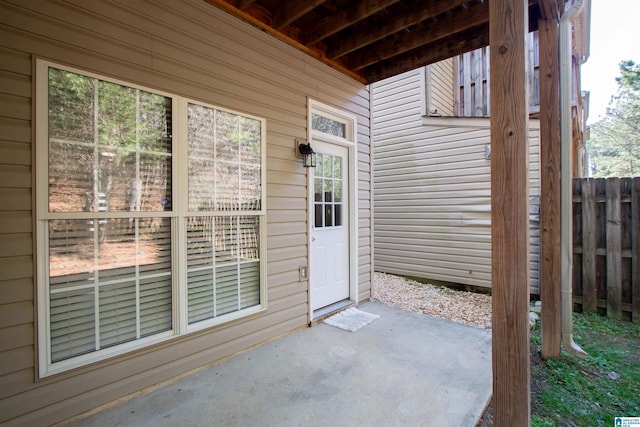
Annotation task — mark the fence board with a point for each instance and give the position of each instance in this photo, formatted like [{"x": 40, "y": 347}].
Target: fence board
[
  {"x": 606, "y": 249},
  {"x": 589, "y": 289},
  {"x": 614, "y": 249},
  {"x": 635, "y": 250}
]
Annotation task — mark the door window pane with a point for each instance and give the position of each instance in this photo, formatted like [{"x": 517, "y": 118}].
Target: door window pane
[
  {"x": 318, "y": 189},
  {"x": 318, "y": 220},
  {"x": 338, "y": 214},
  {"x": 328, "y": 183}
]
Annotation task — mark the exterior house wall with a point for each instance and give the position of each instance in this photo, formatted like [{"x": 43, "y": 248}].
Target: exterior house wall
[
  {"x": 187, "y": 48},
  {"x": 440, "y": 88},
  {"x": 432, "y": 189}
]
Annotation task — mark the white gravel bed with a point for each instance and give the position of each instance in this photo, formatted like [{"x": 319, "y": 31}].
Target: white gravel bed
[{"x": 470, "y": 308}]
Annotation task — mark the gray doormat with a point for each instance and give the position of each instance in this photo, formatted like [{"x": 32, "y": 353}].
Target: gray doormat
[{"x": 351, "y": 319}]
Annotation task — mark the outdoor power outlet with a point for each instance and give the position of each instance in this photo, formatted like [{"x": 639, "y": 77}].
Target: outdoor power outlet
[{"x": 303, "y": 272}]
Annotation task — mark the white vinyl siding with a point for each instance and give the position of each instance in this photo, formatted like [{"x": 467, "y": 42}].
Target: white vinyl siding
[
  {"x": 194, "y": 50},
  {"x": 439, "y": 88},
  {"x": 108, "y": 219},
  {"x": 432, "y": 190}
]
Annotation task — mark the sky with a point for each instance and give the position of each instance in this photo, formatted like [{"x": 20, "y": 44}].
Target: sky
[{"x": 615, "y": 36}]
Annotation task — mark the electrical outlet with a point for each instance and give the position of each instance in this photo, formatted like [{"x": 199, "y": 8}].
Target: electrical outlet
[{"x": 303, "y": 272}]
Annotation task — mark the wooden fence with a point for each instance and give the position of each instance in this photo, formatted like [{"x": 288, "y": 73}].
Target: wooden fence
[{"x": 606, "y": 251}]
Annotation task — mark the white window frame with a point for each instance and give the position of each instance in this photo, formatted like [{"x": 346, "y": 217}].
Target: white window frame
[
  {"x": 183, "y": 213},
  {"x": 178, "y": 216}
]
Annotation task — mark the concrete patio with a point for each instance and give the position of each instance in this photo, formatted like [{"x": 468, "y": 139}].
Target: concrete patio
[{"x": 403, "y": 369}]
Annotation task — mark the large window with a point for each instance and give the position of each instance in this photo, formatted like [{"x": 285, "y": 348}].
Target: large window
[
  {"x": 225, "y": 177},
  {"x": 144, "y": 231}
]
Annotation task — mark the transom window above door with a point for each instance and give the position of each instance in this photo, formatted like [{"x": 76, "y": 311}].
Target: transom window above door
[{"x": 328, "y": 125}]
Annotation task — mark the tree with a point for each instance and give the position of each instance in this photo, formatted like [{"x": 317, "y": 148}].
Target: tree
[{"x": 614, "y": 147}]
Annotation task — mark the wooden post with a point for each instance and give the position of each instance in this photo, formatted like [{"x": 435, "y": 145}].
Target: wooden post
[
  {"x": 508, "y": 27},
  {"x": 550, "y": 266}
]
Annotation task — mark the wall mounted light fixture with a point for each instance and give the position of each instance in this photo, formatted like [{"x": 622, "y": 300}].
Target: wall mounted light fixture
[{"x": 308, "y": 155}]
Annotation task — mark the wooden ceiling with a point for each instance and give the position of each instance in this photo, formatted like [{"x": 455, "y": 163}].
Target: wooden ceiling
[{"x": 371, "y": 40}]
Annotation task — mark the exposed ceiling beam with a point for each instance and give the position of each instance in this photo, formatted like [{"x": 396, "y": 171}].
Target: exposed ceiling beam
[
  {"x": 331, "y": 24},
  {"x": 458, "y": 44},
  {"x": 315, "y": 53},
  {"x": 291, "y": 10},
  {"x": 437, "y": 50},
  {"x": 409, "y": 17},
  {"x": 373, "y": 39},
  {"x": 404, "y": 42},
  {"x": 243, "y": 4}
]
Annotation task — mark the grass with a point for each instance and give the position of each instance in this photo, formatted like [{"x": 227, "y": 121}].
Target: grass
[{"x": 573, "y": 392}]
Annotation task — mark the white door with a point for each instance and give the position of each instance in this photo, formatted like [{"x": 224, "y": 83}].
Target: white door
[{"x": 329, "y": 225}]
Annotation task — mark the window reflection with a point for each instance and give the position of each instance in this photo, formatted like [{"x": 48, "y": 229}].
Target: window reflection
[{"x": 328, "y": 183}]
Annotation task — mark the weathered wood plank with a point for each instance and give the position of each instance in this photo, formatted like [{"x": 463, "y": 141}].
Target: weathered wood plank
[
  {"x": 352, "y": 13},
  {"x": 635, "y": 250},
  {"x": 551, "y": 9},
  {"x": 466, "y": 76},
  {"x": 589, "y": 289},
  {"x": 473, "y": 16},
  {"x": 602, "y": 303},
  {"x": 243, "y": 15},
  {"x": 626, "y": 253},
  {"x": 510, "y": 213},
  {"x": 478, "y": 83},
  {"x": 243, "y": 4},
  {"x": 474, "y": 38},
  {"x": 292, "y": 10},
  {"x": 410, "y": 15},
  {"x": 550, "y": 265},
  {"x": 614, "y": 249}
]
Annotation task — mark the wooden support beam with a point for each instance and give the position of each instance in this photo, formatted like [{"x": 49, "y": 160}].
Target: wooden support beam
[
  {"x": 458, "y": 44},
  {"x": 243, "y": 4},
  {"x": 292, "y": 10},
  {"x": 510, "y": 212},
  {"x": 550, "y": 265},
  {"x": 263, "y": 26},
  {"x": 551, "y": 9},
  {"x": 473, "y": 16},
  {"x": 409, "y": 16},
  {"x": 355, "y": 12}
]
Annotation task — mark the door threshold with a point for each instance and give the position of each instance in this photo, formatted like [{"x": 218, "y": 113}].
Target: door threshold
[{"x": 322, "y": 313}]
